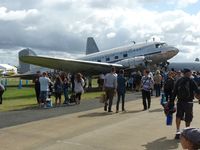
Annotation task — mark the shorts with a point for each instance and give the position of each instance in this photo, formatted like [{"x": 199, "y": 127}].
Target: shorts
[
  {"x": 185, "y": 110},
  {"x": 43, "y": 96}
]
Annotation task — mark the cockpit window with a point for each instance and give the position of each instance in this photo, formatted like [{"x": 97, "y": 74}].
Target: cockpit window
[{"x": 159, "y": 45}]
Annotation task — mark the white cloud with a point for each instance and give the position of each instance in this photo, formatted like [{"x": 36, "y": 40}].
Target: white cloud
[
  {"x": 185, "y": 3},
  {"x": 111, "y": 35},
  {"x": 188, "y": 53},
  {"x": 7, "y": 15},
  {"x": 64, "y": 25},
  {"x": 190, "y": 40}
]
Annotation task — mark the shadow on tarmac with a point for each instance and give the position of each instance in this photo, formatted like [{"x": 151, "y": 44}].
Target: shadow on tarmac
[
  {"x": 162, "y": 143},
  {"x": 95, "y": 114},
  {"x": 101, "y": 114},
  {"x": 156, "y": 110},
  {"x": 134, "y": 111}
]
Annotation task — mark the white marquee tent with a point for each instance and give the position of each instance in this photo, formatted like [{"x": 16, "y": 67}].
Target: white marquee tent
[{"x": 6, "y": 69}]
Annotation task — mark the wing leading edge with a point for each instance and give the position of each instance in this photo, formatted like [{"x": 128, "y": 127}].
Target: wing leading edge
[{"x": 70, "y": 65}]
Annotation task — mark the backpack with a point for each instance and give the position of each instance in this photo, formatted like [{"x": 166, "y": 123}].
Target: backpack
[
  {"x": 146, "y": 84},
  {"x": 168, "y": 84},
  {"x": 184, "y": 90}
]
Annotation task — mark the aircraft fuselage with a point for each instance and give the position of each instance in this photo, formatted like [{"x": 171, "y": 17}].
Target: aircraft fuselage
[{"x": 155, "y": 51}]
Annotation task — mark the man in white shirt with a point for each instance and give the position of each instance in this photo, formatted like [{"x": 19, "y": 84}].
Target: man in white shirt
[
  {"x": 44, "y": 88},
  {"x": 110, "y": 86}
]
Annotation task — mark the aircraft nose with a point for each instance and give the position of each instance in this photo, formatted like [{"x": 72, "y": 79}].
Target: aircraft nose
[
  {"x": 176, "y": 50},
  {"x": 172, "y": 51}
]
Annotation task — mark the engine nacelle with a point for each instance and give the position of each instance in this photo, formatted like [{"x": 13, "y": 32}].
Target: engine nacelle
[{"x": 133, "y": 62}]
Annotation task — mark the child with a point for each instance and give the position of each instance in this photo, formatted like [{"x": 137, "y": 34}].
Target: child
[{"x": 190, "y": 138}]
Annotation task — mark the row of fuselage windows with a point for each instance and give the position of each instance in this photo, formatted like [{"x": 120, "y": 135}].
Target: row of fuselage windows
[
  {"x": 115, "y": 58},
  {"x": 125, "y": 55}
]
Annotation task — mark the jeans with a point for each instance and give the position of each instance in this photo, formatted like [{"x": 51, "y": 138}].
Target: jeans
[
  {"x": 118, "y": 100},
  {"x": 146, "y": 96},
  {"x": 157, "y": 88},
  {"x": 65, "y": 92}
]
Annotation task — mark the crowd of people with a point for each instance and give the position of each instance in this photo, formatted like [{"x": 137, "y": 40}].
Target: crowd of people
[
  {"x": 47, "y": 85},
  {"x": 112, "y": 83},
  {"x": 176, "y": 86}
]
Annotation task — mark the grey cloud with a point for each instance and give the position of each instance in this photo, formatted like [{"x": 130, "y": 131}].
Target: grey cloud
[
  {"x": 14, "y": 35},
  {"x": 64, "y": 27},
  {"x": 104, "y": 4},
  {"x": 119, "y": 40},
  {"x": 190, "y": 40},
  {"x": 20, "y": 4},
  {"x": 100, "y": 3},
  {"x": 151, "y": 1}
]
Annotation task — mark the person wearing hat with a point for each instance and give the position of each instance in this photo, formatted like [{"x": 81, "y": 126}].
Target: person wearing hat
[
  {"x": 190, "y": 138},
  {"x": 184, "y": 90}
]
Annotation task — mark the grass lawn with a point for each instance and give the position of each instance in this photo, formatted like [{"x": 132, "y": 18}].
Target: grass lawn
[
  {"x": 16, "y": 99},
  {"x": 15, "y": 81}
]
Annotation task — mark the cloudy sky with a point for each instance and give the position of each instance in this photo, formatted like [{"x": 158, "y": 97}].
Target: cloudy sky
[{"x": 61, "y": 27}]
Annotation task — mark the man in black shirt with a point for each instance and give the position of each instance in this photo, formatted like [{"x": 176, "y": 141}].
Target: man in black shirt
[
  {"x": 2, "y": 89},
  {"x": 184, "y": 90}
]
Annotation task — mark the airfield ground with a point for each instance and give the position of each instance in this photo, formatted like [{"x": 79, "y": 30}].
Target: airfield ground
[{"x": 94, "y": 129}]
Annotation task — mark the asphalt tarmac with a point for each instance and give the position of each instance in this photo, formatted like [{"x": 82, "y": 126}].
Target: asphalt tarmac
[
  {"x": 13, "y": 118},
  {"x": 94, "y": 129}
]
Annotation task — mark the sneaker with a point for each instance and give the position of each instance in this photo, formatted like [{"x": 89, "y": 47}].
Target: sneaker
[
  {"x": 124, "y": 110},
  {"x": 117, "y": 111},
  {"x": 110, "y": 111},
  {"x": 177, "y": 136}
]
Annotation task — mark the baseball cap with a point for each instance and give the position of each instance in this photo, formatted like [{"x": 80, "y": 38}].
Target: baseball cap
[
  {"x": 192, "y": 134},
  {"x": 185, "y": 70}
]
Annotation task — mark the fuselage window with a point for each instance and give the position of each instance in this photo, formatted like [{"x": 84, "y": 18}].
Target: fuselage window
[
  {"x": 108, "y": 59},
  {"x": 116, "y": 57},
  {"x": 98, "y": 60},
  {"x": 125, "y": 55}
]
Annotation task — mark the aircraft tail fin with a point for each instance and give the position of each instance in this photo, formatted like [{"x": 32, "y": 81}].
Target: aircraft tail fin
[
  {"x": 91, "y": 46},
  {"x": 24, "y": 67}
]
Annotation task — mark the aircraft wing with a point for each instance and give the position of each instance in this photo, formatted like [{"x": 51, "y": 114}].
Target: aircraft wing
[{"x": 70, "y": 65}]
